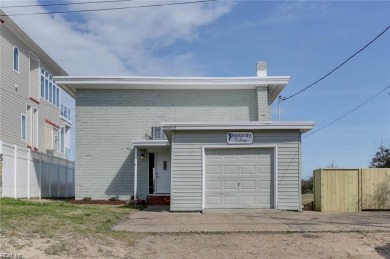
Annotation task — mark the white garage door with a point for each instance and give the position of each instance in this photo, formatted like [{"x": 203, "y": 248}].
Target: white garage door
[{"x": 239, "y": 178}]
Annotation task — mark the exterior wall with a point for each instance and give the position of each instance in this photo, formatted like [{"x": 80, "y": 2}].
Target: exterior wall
[
  {"x": 14, "y": 100},
  {"x": 108, "y": 120},
  {"x": 187, "y": 166},
  {"x": 263, "y": 104}
]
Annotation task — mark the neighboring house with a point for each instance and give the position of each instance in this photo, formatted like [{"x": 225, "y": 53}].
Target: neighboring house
[
  {"x": 31, "y": 113},
  {"x": 204, "y": 142}
]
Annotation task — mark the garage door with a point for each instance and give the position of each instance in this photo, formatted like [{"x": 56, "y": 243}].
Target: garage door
[{"x": 239, "y": 178}]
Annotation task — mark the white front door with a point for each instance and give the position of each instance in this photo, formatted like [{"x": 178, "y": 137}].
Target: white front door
[{"x": 163, "y": 172}]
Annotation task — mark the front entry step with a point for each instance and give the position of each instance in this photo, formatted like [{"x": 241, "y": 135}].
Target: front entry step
[{"x": 158, "y": 200}]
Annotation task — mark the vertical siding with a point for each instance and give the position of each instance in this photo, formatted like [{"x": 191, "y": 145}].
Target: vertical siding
[
  {"x": 376, "y": 188},
  {"x": 336, "y": 190},
  {"x": 13, "y": 101},
  {"x": 108, "y": 120},
  {"x": 187, "y": 166}
]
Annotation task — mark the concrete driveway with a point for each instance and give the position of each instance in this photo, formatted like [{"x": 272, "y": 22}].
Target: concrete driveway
[{"x": 157, "y": 219}]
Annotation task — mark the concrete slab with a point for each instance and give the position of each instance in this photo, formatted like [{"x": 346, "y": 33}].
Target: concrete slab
[{"x": 159, "y": 220}]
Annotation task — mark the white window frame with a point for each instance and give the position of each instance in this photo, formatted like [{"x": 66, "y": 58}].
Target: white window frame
[
  {"x": 50, "y": 88},
  {"x": 23, "y": 115},
  {"x": 13, "y": 59}
]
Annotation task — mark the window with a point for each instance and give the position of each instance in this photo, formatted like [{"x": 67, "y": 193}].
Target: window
[
  {"x": 65, "y": 113},
  {"x": 16, "y": 59},
  {"x": 42, "y": 87},
  {"x": 58, "y": 98},
  {"x": 49, "y": 90},
  {"x": 23, "y": 127}
]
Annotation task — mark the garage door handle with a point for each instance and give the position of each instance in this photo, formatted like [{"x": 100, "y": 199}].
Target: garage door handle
[{"x": 238, "y": 183}]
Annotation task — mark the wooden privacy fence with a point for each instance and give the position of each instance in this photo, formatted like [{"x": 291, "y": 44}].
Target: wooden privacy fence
[
  {"x": 347, "y": 190},
  {"x": 30, "y": 174}
]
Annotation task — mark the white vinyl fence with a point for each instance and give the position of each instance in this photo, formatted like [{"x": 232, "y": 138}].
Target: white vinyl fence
[{"x": 30, "y": 174}]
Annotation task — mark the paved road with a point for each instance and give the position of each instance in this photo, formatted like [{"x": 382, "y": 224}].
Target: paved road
[{"x": 159, "y": 220}]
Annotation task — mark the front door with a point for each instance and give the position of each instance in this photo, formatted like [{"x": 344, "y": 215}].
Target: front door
[{"x": 163, "y": 172}]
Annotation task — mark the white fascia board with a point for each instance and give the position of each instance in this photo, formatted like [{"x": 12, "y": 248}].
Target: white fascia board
[
  {"x": 190, "y": 83},
  {"x": 151, "y": 143},
  {"x": 302, "y": 126}
]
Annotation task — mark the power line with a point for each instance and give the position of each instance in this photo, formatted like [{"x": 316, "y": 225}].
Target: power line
[
  {"x": 354, "y": 109},
  {"x": 74, "y": 3},
  {"x": 336, "y": 68},
  {"x": 113, "y": 8}
]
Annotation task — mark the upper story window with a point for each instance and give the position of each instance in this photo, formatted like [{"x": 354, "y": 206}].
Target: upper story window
[
  {"x": 65, "y": 113},
  {"x": 23, "y": 127},
  {"x": 16, "y": 59},
  {"x": 49, "y": 90}
]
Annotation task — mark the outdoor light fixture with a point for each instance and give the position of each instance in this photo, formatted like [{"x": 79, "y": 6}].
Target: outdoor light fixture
[{"x": 142, "y": 157}]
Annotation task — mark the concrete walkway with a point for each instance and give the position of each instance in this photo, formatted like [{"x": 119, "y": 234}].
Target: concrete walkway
[{"x": 157, "y": 219}]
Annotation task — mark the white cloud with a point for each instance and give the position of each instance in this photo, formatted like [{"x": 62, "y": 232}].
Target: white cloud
[{"x": 121, "y": 42}]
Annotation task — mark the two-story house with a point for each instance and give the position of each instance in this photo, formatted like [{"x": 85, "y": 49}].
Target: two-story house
[
  {"x": 31, "y": 113},
  {"x": 202, "y": 142}
]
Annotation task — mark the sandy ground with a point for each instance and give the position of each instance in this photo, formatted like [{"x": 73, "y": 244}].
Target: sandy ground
[{"x": 278, "y": 245}]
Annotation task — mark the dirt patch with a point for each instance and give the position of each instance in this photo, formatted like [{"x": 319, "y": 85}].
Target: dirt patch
[{"x": 280, "y": 245}]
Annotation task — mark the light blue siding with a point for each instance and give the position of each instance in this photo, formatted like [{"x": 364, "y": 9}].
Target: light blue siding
[{"x": 187, "y": 166}]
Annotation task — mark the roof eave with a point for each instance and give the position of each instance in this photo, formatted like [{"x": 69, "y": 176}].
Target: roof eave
[{"x": 303, "y": 127}]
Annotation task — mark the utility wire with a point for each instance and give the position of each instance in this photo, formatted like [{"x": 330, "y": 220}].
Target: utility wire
[
  {"x": 75, "y": 3},
  {"x": 354, "y": 109},
  {"x": 113, "y": 8},
  {"x": 336, "y": 68}
]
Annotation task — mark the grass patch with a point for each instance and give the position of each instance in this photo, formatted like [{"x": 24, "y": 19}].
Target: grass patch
[{"x": 62, "y": 222}]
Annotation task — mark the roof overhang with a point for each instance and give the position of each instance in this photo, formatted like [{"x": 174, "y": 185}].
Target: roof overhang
[
  {"x": 301, "y": 126},
  {"x": 34, "y": 47},
  {"x": 151, "y": 143},
  {"x": 275, "y": 84}
]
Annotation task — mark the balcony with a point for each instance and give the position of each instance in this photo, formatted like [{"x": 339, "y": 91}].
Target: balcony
[
  {"x": 66, "y": 114},
  {"x": 67, "y": 153}
]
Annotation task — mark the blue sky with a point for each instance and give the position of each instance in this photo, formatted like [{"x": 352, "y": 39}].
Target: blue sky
[{"x": 302, "y": 39}]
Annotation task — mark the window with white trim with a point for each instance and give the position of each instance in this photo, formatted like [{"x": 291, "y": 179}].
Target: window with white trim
[
  {"x": 49, "y": 90},
  {"x": 23, "y": 127},
  {"x": 16, "y": 59}
]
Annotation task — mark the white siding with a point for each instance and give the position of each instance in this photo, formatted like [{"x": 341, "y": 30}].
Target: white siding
[{"x": 187, "y": 166}]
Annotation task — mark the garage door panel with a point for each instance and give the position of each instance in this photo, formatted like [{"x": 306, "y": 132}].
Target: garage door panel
[
  {"x": 213, "y": 185},
  {"x": 239, "y": 178},
  {"x": 231, "y": 200},
  {"x": 213, "y": 200},
  {"x": 248, "y": 184},
  {"x": 213, "y": 169},
  {"x": 248, "y": 169},
  {"x": 230, "y": 185},
  {"x": 230, "y": 169},
  {"x": 249, "y": 200}
]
